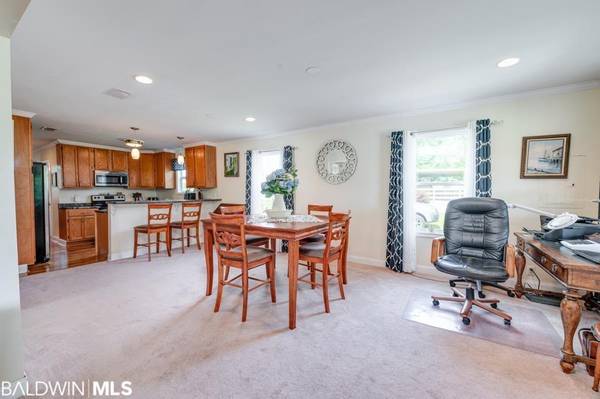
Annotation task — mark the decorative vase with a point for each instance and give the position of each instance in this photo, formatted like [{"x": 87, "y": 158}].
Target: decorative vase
[{"x": 278, "y": 209}]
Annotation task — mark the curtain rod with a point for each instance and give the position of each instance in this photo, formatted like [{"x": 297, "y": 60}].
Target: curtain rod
[
  {"x": 413, "y": 132},
  {"x": 270, "y": 149}
]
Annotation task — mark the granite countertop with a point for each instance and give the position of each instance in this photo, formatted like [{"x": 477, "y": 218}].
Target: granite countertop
[
  {"x": 165, "y": 201},
  {"x": 77, "y": 205}
]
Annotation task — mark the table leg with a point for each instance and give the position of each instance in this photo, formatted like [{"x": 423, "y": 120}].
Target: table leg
[
  {"x": 293, "y": 253},
  {"x": 208, "y": 258},
  {"x": 520, "y": 265},
  {"x": 570, "y": 313}
]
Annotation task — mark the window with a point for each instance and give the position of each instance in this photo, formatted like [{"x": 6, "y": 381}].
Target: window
[
  {"x": 444, "y": 171},
  {"x": 181, "y": 181},
  {"x": 263, "y": 163}
]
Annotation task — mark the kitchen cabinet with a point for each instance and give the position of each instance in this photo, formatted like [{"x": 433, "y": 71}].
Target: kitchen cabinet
[
  {"x": 119, "y": 161},
  {"x": 201, "y": 166},
  {"x": 24, "y": 206},
  {"x": 147, "y": 170},
  {"x": 77, "y": 165},
  {"x": 101, "y": 159},
  {"x": 134, "y": 172},
  {"x": 164, "y": 173},
  {"x": 85, "y": 169},
  {"x": 66, "y": 156},
  {"x": 77, "y": 224}
]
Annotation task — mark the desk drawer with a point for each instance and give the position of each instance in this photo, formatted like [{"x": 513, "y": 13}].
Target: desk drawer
[{"x": 554, "y": 268}]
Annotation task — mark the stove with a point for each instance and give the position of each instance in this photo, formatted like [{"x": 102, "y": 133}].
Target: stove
[{"x": 102, "y": 200}]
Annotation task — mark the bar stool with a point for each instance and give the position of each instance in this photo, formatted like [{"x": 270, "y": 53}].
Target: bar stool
[
  {"x": 159, "y": 220},
  {"x": 190, "y": 219}
]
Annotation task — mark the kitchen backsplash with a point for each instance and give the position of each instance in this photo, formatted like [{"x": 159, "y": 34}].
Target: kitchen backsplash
[{"x": 76, "y": 195}]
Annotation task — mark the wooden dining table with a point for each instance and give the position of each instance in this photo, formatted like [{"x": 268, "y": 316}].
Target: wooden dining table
[{"x": 292, "y": 231}]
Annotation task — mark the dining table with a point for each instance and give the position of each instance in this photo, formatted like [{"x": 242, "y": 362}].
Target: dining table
[{"x": 292, "y": 229}]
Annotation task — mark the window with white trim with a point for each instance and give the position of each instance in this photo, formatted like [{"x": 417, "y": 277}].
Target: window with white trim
[{"x": 263, "y": 164}]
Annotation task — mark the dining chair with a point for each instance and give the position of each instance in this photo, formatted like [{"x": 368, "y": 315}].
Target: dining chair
[
  {"x": 190, "y": 219},
  {"x": 229, "y": 233},
  {"x": 158, "y": 221},
  {"x": 251, "y": 239},
  {"x": 317, "y": 210},
  {"x": 325, "y": 252}
]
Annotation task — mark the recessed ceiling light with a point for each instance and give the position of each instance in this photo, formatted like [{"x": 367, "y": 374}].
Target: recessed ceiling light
[
  {"x": 250, "y": 119},
  {"x": 508, "y": 62},
  {"x": 143, "y": 79},
  {"x": 312, "y": 70},
  {"x": 48, "y": 129}
]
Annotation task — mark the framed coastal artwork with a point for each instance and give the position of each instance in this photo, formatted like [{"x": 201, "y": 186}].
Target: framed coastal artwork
[
  {"x": 232, "y": 164},
  {"x": 545, "y": 157}
]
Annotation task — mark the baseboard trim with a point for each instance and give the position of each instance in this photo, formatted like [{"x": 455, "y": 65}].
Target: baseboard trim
[
  {"x": 58, "y": 241},
  {"x": 366, "y": 261},
  {"x": 23, "y": 269},
  {"x": 22, "y": 383}
]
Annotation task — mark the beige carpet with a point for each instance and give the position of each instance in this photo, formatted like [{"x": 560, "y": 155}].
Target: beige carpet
[{"x": 151, "y": 324}]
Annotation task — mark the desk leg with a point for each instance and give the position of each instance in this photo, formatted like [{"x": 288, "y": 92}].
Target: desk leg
[
  {"x": 208, "y": 259},
  {"x": 520, "y": 265},
  {"x": 293, "y": 253},
  {"x": 570, "y": 313}
]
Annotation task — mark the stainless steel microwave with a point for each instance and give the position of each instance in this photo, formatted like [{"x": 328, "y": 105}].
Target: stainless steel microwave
[{"x": 104, "y": 178}]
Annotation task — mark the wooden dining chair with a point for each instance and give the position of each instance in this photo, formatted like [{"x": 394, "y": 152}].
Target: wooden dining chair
[
  {"x": 159, "y": 220},
  {"x": 326, "y": 252},
  {"x": 317, "y": 210},
  {"x": 254, "y": 240},
  {"x": 229, "y": 233},
  {"x": 190, "y": 220}
]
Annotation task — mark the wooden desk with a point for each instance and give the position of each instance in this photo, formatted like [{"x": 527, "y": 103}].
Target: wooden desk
[
  {"x": 574, "y": 273},
  {"x": 293, "y": 232}
]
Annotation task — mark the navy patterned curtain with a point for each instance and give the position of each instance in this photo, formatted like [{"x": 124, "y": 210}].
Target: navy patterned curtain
[
  {"x": 483, "y": 166},
  {"x": 288, "y": 164},
  {"x": 248, "y": 187},
  {"x": 395, "y": 223}
]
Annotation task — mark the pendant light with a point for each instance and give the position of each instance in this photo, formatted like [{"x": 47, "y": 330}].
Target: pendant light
[
  {"x": 135, "y": 147},
  {"x": 135, "y": 153},
  {"x": 180, "y": 151}
]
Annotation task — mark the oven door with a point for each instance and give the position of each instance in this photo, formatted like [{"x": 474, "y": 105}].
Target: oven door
[{"x": 107, "y": 179}]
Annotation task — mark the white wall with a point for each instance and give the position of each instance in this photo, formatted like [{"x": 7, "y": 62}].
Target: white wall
[
  {"x": 553, "y": 111},
  {"x": 11, "y": 345}
]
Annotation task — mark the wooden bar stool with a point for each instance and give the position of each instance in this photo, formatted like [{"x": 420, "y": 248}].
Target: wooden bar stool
[
  {"x": 159, "y": 220},
  {"x": 190, "y": 219},
  {"x": 331, "y": 250},
  {"x": 229, "y": 235}
]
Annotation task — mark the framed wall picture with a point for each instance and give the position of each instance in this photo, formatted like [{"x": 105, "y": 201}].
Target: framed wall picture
[
  {"x": 545, "y": 157},
  {"x": 232, "y": 164}
]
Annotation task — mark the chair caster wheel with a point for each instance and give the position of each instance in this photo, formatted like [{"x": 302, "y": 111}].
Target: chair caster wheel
[
  {"x": 481, "y": 295},
  {"x": 452, "y": 284},
  {"x": 454, "y": 294},
  {"x": 511, "y": 294},
  {"x": 436, "y": 302},
  {"x": 466, "y": 321},
  {"x": 506, "y": 322},
  {"x": 494, "y": 305}
]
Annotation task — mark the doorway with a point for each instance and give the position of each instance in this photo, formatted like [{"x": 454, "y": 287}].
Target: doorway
[{"x": 41, "y": 211}]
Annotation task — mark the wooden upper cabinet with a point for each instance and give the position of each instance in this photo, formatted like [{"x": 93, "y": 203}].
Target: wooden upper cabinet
[
  {"x": 190, "y": 170},
  {"x": 85, "y": 175},
  {"x": 201, "y": 166},
  {"x": 134, "y": 172},
  {"x": 24, "y": 206},
  {"x": 119, "y": 161},
  {"x": 165, "y": 175},
  {"x": 102, "y": 159},
  {"x": 66, "y": 156},
  {"x": 147, "y": 170}
]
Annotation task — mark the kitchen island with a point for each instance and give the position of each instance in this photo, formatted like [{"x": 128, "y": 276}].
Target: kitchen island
[{"x": 124, "y": 216}]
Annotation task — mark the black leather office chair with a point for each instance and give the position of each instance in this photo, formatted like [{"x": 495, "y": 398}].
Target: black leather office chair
[{"x": 475, "y": 248}]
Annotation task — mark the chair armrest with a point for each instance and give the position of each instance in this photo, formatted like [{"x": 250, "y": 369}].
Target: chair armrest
[
  {"x": 510, "y": 260},
  {"x": 438, "y": 248}
]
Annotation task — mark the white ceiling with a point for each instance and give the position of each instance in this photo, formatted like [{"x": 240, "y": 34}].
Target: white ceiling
[
  {"x": 12, "y": 10},
  {"x": 216, "y": 62}
]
